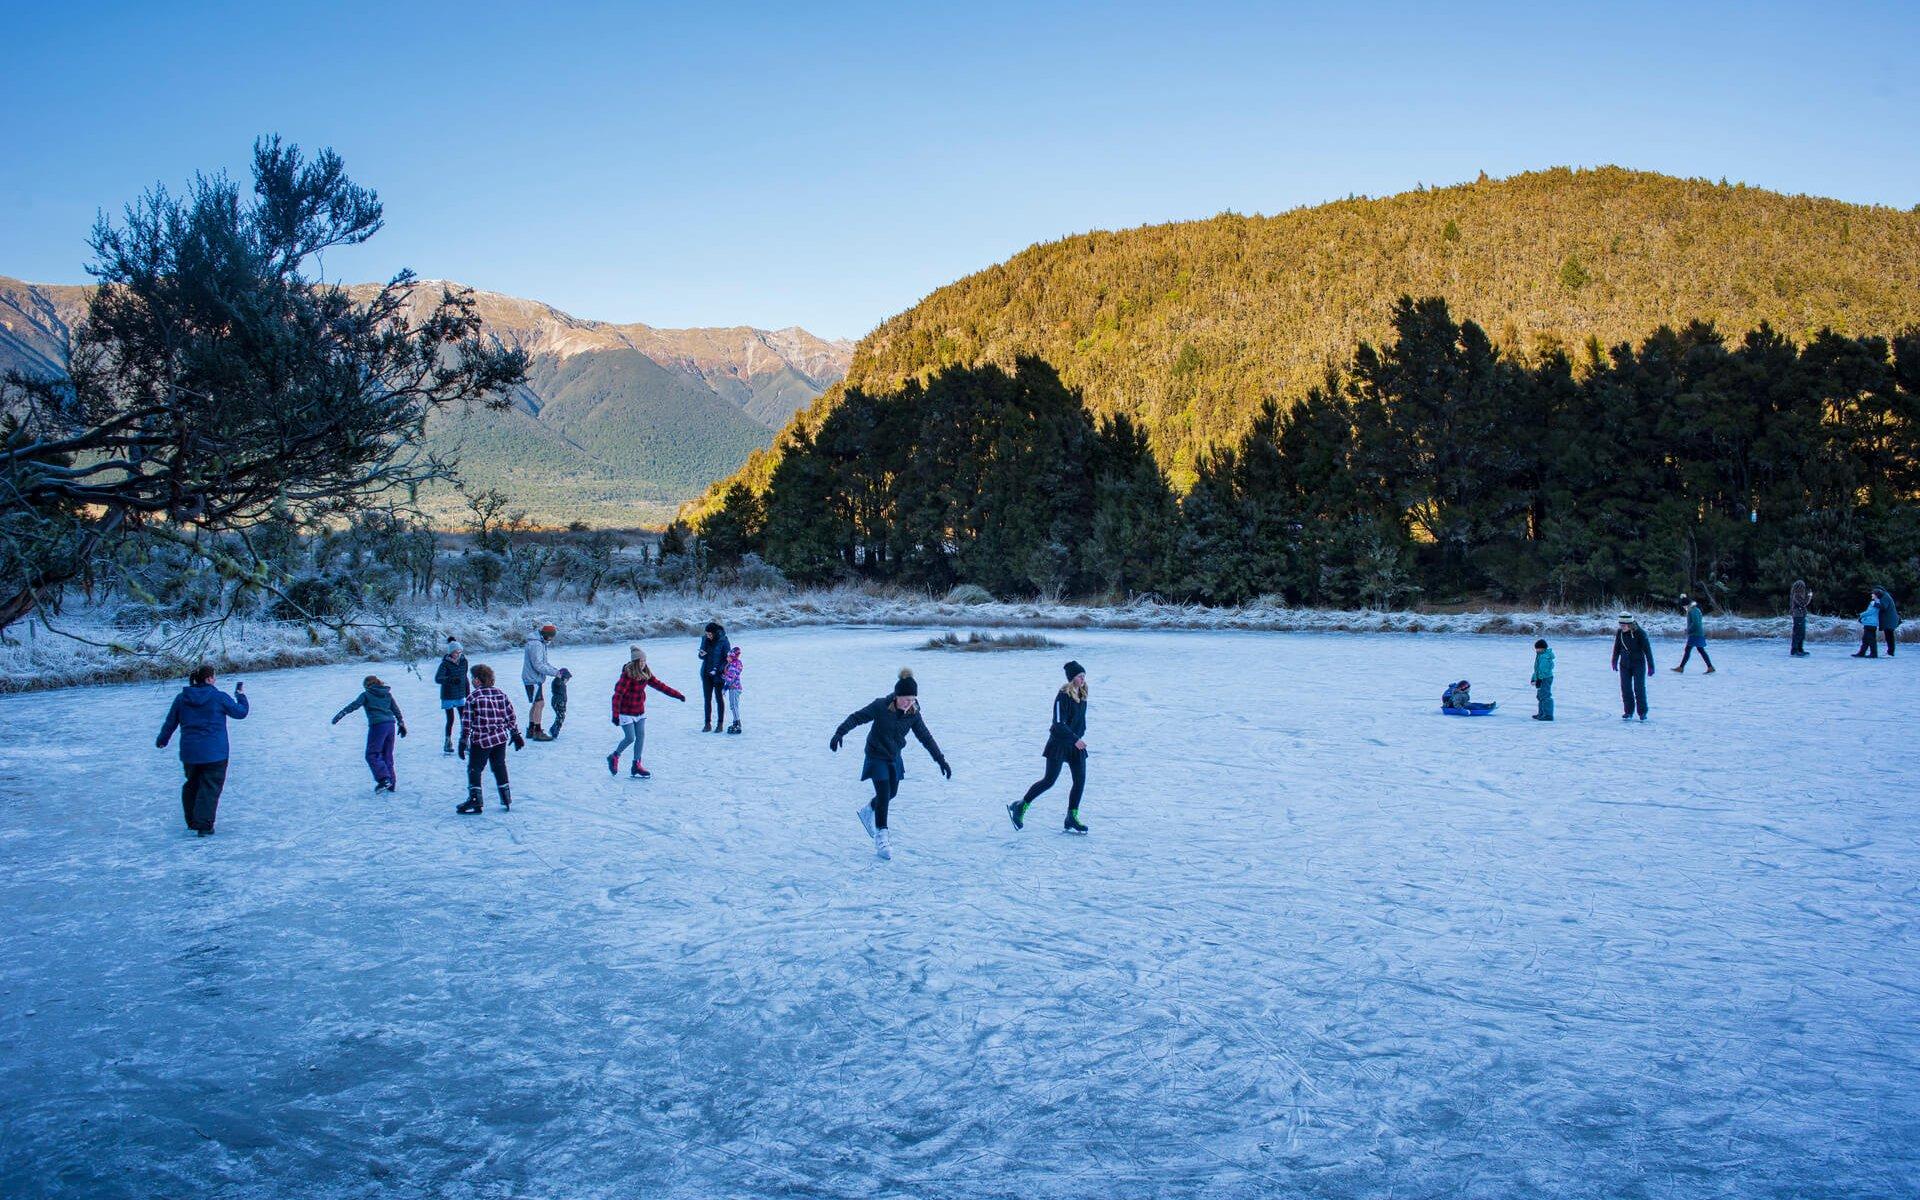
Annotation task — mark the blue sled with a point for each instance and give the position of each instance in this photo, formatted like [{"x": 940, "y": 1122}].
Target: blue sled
[{"x": 1472, "y": 710}]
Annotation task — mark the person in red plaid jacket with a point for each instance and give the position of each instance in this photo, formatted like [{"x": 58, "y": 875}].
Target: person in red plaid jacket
[
  {"x": 630, "y": 709},
  {"x": 487, "y": 724}
]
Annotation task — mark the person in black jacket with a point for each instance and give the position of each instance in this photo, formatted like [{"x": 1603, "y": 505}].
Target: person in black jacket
[
  {"x": 451, "y": 675},
  {"x": 1633, "y": 659},
  {"x": 714, "y": 648},
  {"x": 1066, "y": 745},
  {"x": 892, "y": 717}
]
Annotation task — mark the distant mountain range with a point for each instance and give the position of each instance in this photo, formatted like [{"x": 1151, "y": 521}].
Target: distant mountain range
[
  {"x": 618, "y": 424},
  {"x": 1187, "y": 327}
]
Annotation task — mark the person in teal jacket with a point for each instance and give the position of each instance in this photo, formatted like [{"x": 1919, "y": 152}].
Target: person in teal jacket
[
  {"x": 1543, "y": 679},
  {"x": 1696, "y": 636},
  {"x": 384, "y": 719}
]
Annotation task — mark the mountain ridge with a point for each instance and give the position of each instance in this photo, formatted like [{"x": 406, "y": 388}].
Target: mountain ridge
[{"x": 619, "y": 422}]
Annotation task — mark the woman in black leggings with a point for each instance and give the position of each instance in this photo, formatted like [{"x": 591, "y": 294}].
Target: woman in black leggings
[
  {"x": 1066, "y": 745},
  {"x": 714, "y": 648},
  {"x": 892, "y": 717}
]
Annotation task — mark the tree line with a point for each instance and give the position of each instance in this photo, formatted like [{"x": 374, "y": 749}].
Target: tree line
[{"x": 1436, "y": 465}]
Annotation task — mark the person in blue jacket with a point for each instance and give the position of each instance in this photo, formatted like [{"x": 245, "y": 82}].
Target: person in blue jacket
[
  {"x": 1543, "y": 679},
  {"x": 200, "y": 713},
  {"x": 893, "y": 718},
  {"x": 1889, "y": 617},
  {"x": 1066, "y": 746},
  {"x": 1696, "y": 636},
  {"x": 1869, "y": 629}
]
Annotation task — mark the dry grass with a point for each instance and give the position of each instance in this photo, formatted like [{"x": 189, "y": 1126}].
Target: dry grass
[{"x": 977, "y": 641}]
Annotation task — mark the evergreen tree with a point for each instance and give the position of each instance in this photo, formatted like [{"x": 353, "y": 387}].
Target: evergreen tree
[
  {"x": 1136, "y": 519},
  {"x": 735, "y": 529}
]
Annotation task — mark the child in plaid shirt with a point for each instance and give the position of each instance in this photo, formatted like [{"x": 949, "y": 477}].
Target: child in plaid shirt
[{"x": 487, "y": 725}]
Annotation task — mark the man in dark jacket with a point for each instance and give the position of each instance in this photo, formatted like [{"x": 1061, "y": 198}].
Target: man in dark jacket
[
  {"x": 1799, "y": 600},
  {"x": 200, "y": 713},
  {"x": 1889, "y": 617},
  {"x": 1633, "y": 659}
]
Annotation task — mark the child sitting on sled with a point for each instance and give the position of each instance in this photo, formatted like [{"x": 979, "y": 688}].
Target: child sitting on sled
[{"x": 1457, "y": 699}]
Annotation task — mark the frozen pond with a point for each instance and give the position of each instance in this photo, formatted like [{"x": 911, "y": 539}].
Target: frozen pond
[{"x": 1321, "y": 942}]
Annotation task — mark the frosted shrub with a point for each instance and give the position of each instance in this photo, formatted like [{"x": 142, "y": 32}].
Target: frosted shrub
[
  {"x": 315, "y": 595},
  {"x": 757, "y": 575},
  {"x": 675, "y": 570},
  {"x": 969, "y": 593}
]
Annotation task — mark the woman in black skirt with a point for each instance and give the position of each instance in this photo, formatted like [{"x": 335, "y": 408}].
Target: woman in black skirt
[{"x": 893, "y": 718}]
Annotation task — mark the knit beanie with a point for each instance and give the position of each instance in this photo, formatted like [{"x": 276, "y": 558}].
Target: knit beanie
[
  {"x": 1074, "y": 668},
  {"x": 906, "y": 686}
]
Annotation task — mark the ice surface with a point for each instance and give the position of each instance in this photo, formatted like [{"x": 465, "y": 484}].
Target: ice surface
[{"x": 1322, "y": 941}]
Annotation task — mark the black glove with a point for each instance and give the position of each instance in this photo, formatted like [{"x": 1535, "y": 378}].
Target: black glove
[
  {"x": 519, "y": 743},
  {"x": 834, "y": 745},
  {"x": 463, "y": 749},
  {"x": 403, "y": 731},
  {"x": 616, "y": 720},
  {"x": 335, "y": 721},
  {"x": 945, "y": 769},
  {"x": 159, "y": 743}
]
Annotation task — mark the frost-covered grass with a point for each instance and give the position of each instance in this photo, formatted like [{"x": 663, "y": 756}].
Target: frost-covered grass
[
  {"x": 1321, "y": 942},
  {"x": 35, "y": 658},
  {"x": 977, "y": 642}
]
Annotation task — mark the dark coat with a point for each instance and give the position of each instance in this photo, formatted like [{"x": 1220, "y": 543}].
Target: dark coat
[
  {"x": 200, "y": 713},
  {"x": 1632, "y": 651},
  {"x": 452, "y": 678},
  {"x": 1069, "y": 726},
  {"x": 888, "y": 737},
  {"x": 1889, "y": 615},
  {"x": 713, "y": 656}
]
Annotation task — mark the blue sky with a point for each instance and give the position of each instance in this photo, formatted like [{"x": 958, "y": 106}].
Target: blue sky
[{"x": 828, "y": 165}]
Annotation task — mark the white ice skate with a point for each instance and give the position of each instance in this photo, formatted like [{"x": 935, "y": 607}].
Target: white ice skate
[
  {"x": 881, "y": 849},
  {"x": 866, "y": 819}
]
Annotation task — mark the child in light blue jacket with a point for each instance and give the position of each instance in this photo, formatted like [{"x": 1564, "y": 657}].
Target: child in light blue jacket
[
  {"x": 1543, "y": 679},
  {"x": 1869, "y": 630}
]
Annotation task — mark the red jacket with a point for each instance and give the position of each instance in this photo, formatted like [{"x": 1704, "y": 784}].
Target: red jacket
[{"x": 630, "y": 695}]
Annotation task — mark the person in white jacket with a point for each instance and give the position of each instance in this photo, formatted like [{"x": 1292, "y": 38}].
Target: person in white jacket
[{"x": 535, "y": 670}]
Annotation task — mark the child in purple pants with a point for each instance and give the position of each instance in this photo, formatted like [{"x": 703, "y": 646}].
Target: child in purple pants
[{"x": 383, "y": 721}]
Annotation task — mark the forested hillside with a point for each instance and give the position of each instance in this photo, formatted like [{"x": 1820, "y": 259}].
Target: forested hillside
[
  {"x": 1187, "y": 328},
  {"x": 1719, "y": 464}
]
